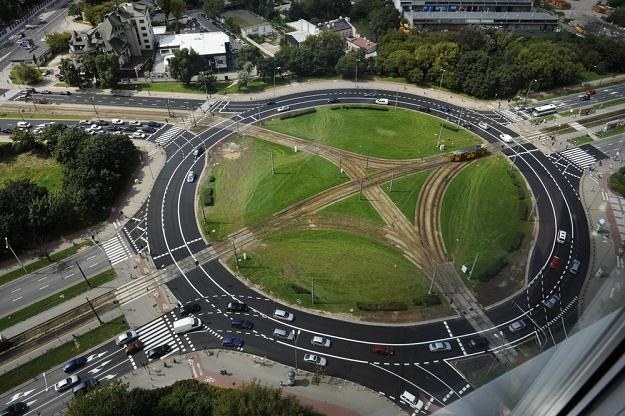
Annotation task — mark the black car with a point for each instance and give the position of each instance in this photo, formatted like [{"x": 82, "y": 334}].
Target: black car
[
  {"x": 65, "y": 93},
  {"x": 113, "y": 128},
  {"x": 478, "y": 343},
  {"x": 443, "y": 108},
  {"x": 241, "y": 324},
  {"x": 268, "y": 103},
  {"x": 424, "y": 109},
  {"x": 129, "y": 128},
  {"x": 6, "y": 131},
  {"x": 158, "y": 352},
  {"x": 152, "y": 124},
  {"x": 237, "y": 307},
  {"x": 148, "y": 129},
  {"x": 333, "y": 100},
  {"x": 15, "y": 409},
  {"x": 102, "y": 123},
  {"x": 189, "y": 308}
]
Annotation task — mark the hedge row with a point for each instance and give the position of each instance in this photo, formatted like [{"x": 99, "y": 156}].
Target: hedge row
[
  {"x": 428, "y": 300},
  {"x": 297, "y": 113},
  {"x": 449, "y": 126},
  {"x": 386, "y": 306}
]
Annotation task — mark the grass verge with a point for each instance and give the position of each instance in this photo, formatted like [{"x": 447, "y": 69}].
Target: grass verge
[
  {"x": 349, "y": 270},
  {"x": 245, "y": 166},
  {"x": 484, "y": 213},
  {"x": 38, "y": 264},
  {"x": 353, "y": 206},
  {"x": 613, "y": 132},
  {"x": 610, "y": 103},
  {"x": 55, "y": 299},
  {"x": 42, "y": 170},
  {"x": 393, "y": 134},
  {"x": 39, "y": 116},
  {"x": 405, "y": 193},
  {"x": 178, "y": 87},
  {"x": 578, "y": 141},
  {"x": 62, "y": 353}
]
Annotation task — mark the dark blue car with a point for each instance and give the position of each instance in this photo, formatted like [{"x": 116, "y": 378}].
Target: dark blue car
[
  {"x": 233, "y": 342},
  {"x": 75, "y": 364}
]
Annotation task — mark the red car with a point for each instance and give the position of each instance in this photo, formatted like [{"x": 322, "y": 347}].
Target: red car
[
  {"x": 591, "y": 92},
  {"x": 383, "y": 350},
  {"x": 554, "y": 263},
  {"x": 134, "y": 347}
]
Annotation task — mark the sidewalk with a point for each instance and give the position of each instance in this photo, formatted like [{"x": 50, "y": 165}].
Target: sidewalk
[{"x": 332, "y": 397}]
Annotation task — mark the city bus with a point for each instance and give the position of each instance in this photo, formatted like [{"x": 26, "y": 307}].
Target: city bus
[{"x": 543, "y": 110}]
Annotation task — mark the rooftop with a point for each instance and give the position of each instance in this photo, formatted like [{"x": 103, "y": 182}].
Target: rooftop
[
  {"x": 484, "y": 17},
  {"x": 336, "y": 25},
  {"x": 363, "y": 43},
  {"x": 209, "y": 43}
]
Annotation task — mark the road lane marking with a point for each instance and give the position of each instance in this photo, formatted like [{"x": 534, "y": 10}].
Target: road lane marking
[
  {"x": 16, "y": 299},
  {"x": 43, "y": 278},
  {"x": 43, "y": 287},
  {"x": 16, "y": 290}
]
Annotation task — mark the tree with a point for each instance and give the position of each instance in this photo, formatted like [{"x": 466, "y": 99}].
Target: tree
[
  {"x": 70, "y": 73},
  {"x": 618, "y": 16},
  {"x": 249, "y": 53},
  {"x": 245, "y": 74},
  {"x": 94, "y": 14},
  {"x": 177, "y": 8},
  {"x": 383, "y": 19},
  {"x": 49, "y": 136},
  {"x": 213, "y": 7},
  {"x": 165, "y": 6},
  {"x": 346, "y": 65},
  {"x": 68, "y": 143},
  {"x": 23, "y": 140},
  {"x": 185, "y": 64},
  {"x": 15, "y": 199},
  {"x": 74, "y": 9},
  {"x": 26, "y": 74},
  {"x": 58, "y": 41},
  {"x": 319, "y": 10},
  {"x": 88, "y": 67},
  {"x": 107, "y": 67}
]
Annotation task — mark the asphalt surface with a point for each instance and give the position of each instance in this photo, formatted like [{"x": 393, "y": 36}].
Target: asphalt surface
[{"x": 172, "y": 235}]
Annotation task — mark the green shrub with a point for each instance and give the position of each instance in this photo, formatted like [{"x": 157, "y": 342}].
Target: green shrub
[
  {"x": 450, "y": 126},
  {"x": 617, "y": 182},
  {"x": 299, "y": 289},
  {"x": 428, "y": 300},
  {"x": 494, "y": 269},
  {"x": 516, "y": 242},
  {"x": 298, "y": 113},
  {"x": 386, "y": 306},
  {"x": 523, "y": 211}
]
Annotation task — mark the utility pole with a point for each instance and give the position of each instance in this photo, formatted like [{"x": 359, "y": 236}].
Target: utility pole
[
  {"x": 95, "y": 109},
  {"x": 273, "y": 166},
  {"x": 6, "y": 241},
  {"x": 274, "y": 79},
  {"x": 438, "y": 140},
  {"x": 367, "y": 160},
  {"x": 340, "y": 167},
  {"x": 168, "y": 108},
  {"x": 237, "y": 122},
  {"x": 527, "y": 93},
  {"x": 396, "y": 96},
  {"x": 440, "y": 84},
  {"x": 432, "y": 283},
  {"x": 356, "y": 77},
  {"x": 83, "y": 275},
  {"x": 236, "y": 256},
  {"x": 360, "y": 194},
  {"x": 473, "y": 267},
  {"x": 93, "y": 310},
  {"x": 312, "y": 294}
]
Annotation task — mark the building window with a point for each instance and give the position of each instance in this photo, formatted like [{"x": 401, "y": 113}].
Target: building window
[
  {"x": 141, "y": 21},
  {"x": 142, "y": 28},
  {"x": 148, "y": 47}
]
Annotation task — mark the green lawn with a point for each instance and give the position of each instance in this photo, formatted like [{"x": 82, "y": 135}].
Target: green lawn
[
  {"x": 253, "y": 86},
  {"x": 38, "y": 264},
  {"x": 352, "y": 207},
  {"x": 610, "y": 103},
  {"x": 613, "y": 132},
  {"x": 347, "y": 269},
  {"x": 42, "y": 170},
  {"x": 481, "y": 214},
  {"x": 246, "y": 191},
  {"x": 55, "y": 299},
  {"x": 36, "y": 366},
  {"x": 393, "y": 134},
  {"x": 577, "y": 141},
  {"x": 406, "y": 192}
]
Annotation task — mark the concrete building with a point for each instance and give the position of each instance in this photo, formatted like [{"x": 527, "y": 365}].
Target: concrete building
[
  {"x": 342, "y": 26},
  {"x": 410, "y": 6},
  {"x": 126, "y": 32},
  {"x": 302, "y": 29},
  {"x": 214, "y": 46},
  {"x": 249, "y": 23}
]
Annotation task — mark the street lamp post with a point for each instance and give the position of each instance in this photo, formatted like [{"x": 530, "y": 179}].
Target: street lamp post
[
  {"x": 527, "y": 93},
  {"x": 6, "y": 241},
  {"x": 356, "y": 75},
  {"x": 94, "y": 108},
  {"x": 440, "y": 84},
  {"x": 274, "y": 79}
]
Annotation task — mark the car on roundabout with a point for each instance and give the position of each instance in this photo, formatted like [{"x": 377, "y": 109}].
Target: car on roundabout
[
  {"x": 517, "y": 326},
  {"x": 191, "y": 177},
  {"x": 189, "y": 308},
  {"x": 483, "y": 125},
  {"x": 552, "y": 300},
  {"x": 505, "y": 137},
  {"x": 382, "y": 101},
  {"x": 319, "y": 341},
  {"x": 283, "y": 315},
  {"x": 237, "y": 307},
  {"x": 554, "y": 263},
  {"x": 315, "y": 359},
  {"x": 158, "y": 351},
  {"x": 233, "y": 342},
  {"x": 478, "y": 343},
  {"x": 439, "y": 346},
  {"x": 283, "y": 108}
]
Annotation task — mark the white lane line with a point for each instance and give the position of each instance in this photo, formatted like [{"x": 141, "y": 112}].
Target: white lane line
[
  {"x": 93, "y": 265},
  {"x": 16, "y": 299},
  {"x": 16, "y": 290},
  {"x": 43, "y": 287},
  {"x": 43, "y": 278}
]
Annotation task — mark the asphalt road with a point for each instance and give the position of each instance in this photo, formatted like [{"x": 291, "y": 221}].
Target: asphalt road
[
  {"x": 52, "y": 279},
  {"x": 172, "y": 236}
]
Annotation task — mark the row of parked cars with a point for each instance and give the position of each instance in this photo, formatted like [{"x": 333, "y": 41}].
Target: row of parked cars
[{"x": 134, "y": 129}]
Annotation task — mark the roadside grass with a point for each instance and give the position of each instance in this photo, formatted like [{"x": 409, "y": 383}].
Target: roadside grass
[
  {"x": 354, "y": 207},
  {"x": 36, "y": 366},
  {"x": 405, "y": 193},
  {"x": 538, "y": 120},
  {"x": 178, "y": 87},
  {"x": 255, "y": 85},
  {"x": 347, "y": 269},
  {"x": 28, "y": 115},
  {"x": 482, "y": 214},
  {"x": 393, "y": 134},
  {"x": 577, "y": 141},
  {"x": 40, "y": 169},
  {"x": 610, "y": 103},
  {"x": 41, "y": 263},
  {"x": 56, "y": 299},
  {"x": 593, "y": 76},
  {"x": 617, "y": 181},
  {"x": 613, "y": 132},
  {"x": 246, "y": 191}
]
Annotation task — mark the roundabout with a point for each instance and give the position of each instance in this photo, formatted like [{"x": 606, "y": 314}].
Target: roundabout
[{"x": 174, "y": 237}]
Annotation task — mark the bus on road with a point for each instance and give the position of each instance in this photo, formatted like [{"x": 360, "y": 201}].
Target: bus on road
[{"x": 543, "y": 110}]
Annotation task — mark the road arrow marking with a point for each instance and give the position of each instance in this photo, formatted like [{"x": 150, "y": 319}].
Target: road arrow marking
[
  {"x": 109, "y": 377},
  {"x": 19, "y": 395},
  {"x": 95, "y": 356},
  {"x": 99, "y": 367}
]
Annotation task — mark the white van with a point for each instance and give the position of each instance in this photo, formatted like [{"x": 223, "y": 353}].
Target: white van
[
  {"x": 411, "y": 400},
  {"x": 186, "y": 324},
  {"x": 561, "y": 237}
]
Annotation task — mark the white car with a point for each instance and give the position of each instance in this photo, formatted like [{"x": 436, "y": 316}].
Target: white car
[
  {"x": 137, "y": 135},
  {"x": 84, "y": 122},
  {"x": 283, "y": 333},
  {"x": 283, "y": 108},
  {"x": 134, "y": 123},
  {"x": 315, "y": 359},
  {"x": 483, "y": 125},
  {"x": 126, "y": 338},
  {"x": 23, "y": 124},
  {"x": 283, "y": 315},
  {"x": 321, "y": 341},
  {"x": 67, "y": 383},
  {"x": 95, "y": 127},
  {"x": 382, "y": 101},
  {"x": 505, "y": 137},
  {"x": 440, "y": 346},
  {"x": 553, "y": 299},
  {"x": 117, "y": 121},
  {"x": 191, "y": 177}
]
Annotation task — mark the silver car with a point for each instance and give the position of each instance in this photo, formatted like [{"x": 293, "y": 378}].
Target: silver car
[
  {"x": 517, "y": 326},
  {"x": 283, "y": 108},
  {"x": 191, "y": 177},
  {"x": 321, "y": 342},
  {"x": 440, "y": 346},
  {"x": 283, "y": 315}
]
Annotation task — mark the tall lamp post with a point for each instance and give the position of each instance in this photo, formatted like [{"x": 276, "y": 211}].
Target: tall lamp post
[
  {"x": 6, "y": 241},
  {"x": 440, "y": 84},
  {"x": 356, "y": 75},
  {"x": 528, "y": 91},
  {"x": 274, "y": 79}
]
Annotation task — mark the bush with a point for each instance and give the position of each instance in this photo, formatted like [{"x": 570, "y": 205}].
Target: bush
[
  {"x": 450, "y": 126},
  {"x": 520, "y": 193},
  {"x": 428, "y": 300},
  {"x": 297, "y": 113},
  {"x": 617, "y": 182},
  {"x": 386, "y": 306},
  {"x": 6, "y": 149},
  {"x": 26, "y": 74},
  {"x": 208, "y": 201},
  {"x": 516, "y": 242},
  {"x": 299, "y": 290},
  {"x": 211, "y": 179},
  {"x": 523, "y": 211},
  {"x": 364, "y": 107},
  {"x": 494, "y": 269}
]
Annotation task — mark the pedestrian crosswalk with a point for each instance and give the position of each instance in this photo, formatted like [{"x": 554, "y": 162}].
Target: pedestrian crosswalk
[
  {"x": 160, "y": 332},
  {"x": 116, "y": 249},
  {"x": 169, "y": 135},
  {"x": 510, "y": 116},
  {"x": 579, "y": 157}
]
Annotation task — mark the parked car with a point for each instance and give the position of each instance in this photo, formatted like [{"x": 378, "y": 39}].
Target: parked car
[
  {"x": 237, "y": 307},
  {"x": 241, "y": 324},
  {"x": 191, "y": 177},
  {"x": 283, "y": 108},
  {"x": 152, "y": 123},
  {"x": 440, "y": 346},
  {"x": 478, "y": 343},
  {"x": 126, "y": 338},
  {"x": 319, "y": 341},
  {"x": 134, "y": 123},
  {"x": 517, "y": 326},
  {"x": 85, "y": 386},
  {"x": 483, "y": 125},
  {"x": 382, "y": 101},
  {"x": 117, "y": 121},
  {"x": 137, "y": 135},
  {"x": 554, "y": 263},
  {"x": 284, "y": 334},
  {"x": 315, "y": 359},
  {"x": 67, "y": 383},
  {"x": 158, "y": 351},
  {"x": 189, "y": 308},
  {"x": 383, "y": 350},
  {"x": 552, "y": 300},
  {"x": 283, "y": 315},
  {"x": 233, "y": 342},
  {"x": 16, "y": 409},
  {"x": 134, "y": 346},
  {"x": 75, "y": 364}
]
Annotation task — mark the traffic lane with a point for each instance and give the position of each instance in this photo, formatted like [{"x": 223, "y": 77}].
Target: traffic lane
[
  {"x": 119, "y": 101},
  {"x": 187, "y": 199},
  {"x": 41, "y": 283}
]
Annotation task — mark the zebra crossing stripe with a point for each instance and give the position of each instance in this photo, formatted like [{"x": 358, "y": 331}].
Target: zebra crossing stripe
[
  {"x": 116, "y": 249},
  {"x": 509, "y": 115},
  {"x": 579, "y": 157},
  {"x": 157, "y": 333},
  {"x": 168, "y": 136}
]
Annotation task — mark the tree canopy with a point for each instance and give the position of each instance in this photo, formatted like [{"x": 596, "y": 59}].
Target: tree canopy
[
  {"x": 185, "y": 64},
  {"x": 26, "y": 74},
  {"x": 58, "y": 41}
]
